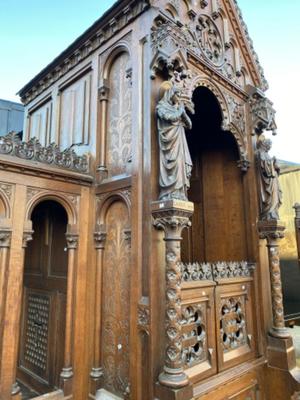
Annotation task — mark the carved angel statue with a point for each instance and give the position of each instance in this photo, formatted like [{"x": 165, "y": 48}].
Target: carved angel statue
[
  {"x": 175, "y": 160},
  {"x": 269, "y": 188}
]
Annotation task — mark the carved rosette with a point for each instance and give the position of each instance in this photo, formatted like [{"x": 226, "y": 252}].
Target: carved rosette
[
  {"x": 173, "y": 216},
  {"x": 272, "y": 231}
]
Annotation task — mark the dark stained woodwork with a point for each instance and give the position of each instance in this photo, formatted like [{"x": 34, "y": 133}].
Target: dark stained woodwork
[
  {"x": 44, "y": 300},
  {"x": 101, "y": 302}
]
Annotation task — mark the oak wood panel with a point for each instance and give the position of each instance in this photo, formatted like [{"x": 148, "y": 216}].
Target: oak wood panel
[{"x": 43, "y": 316}]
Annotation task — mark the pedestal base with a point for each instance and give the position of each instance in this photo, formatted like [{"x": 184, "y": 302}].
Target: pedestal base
[
  {"x": 167, "y": 393},
  {"x": 281, "y": 353},
  {"x": 281, "y": 333}
]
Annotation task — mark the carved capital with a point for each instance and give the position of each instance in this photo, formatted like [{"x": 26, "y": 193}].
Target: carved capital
[
  {"x": 72, "y": 240},
  {"x": 243, "y": 164},
  {"x": 127, "y": 235},
  {"x": 271, "y": 230},
  {"x": 262, "y": 111},
  {"x": 103, "y": 90},
  {"x": 172, "y": 216},
  {"x": 5, "y": 237},
  {"x": 27, "y": 237},
  {"x": 99, "y": 239},
  {"x": 144, "y": 315}
]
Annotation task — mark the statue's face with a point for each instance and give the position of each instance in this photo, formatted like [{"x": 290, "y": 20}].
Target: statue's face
[{"x": 267, "y": 144}]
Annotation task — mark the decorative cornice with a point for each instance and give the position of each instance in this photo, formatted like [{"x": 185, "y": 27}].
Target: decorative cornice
[
  {"x": 12, "y": 145},
  {"x": 252, "y": 53},
  {"x": 115, "y": 19}
]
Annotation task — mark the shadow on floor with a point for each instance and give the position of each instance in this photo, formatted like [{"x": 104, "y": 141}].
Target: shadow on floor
[{"x": 27, "y": 393}]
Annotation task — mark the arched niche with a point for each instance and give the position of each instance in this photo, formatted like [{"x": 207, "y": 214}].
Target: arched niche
[
  {"x": 218, "y": 224},
  {"x": 115, "y": 304},
  {"x": 117, "y": 76},
  {"x": 3, "y": 208},
  {"x": 44, "y": 304}
]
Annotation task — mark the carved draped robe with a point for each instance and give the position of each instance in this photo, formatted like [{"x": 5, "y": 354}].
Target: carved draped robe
[
  {"x": 175, "y": 159},
  {"x": 269, "y": 188}
]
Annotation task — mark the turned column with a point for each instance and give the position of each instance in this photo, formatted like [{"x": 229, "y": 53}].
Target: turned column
[
  {"x": 172, "y": 217},
  {"x": 27, "y": 237},
  {"x": 99, "y": 240},
  {"x": 297, "y": 228},
  {"x": 5, "y": 239},
  {"x": 273, "y": 231},
  {"x": 67, "y": 371},
  {"x": 103, "y": 93}
]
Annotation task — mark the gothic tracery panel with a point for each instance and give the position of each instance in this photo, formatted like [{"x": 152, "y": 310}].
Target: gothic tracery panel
[
  {"x": 116, "y": 301},
  {"x": 119, "y": 117}
]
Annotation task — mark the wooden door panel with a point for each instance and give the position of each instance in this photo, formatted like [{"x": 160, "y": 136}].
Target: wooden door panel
[
  {"x": 198, "y": 329},
  {"x": 42, "y": 333},
  {"x": 116, "y": 301},
  {"x": 234, "y": 327}
]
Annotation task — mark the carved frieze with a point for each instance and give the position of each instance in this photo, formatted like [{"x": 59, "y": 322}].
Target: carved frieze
[
  {"x": 196, "y": 271},
  {"x": 32, "y": 150},
  {"x": 85, "y": 49},
  {"x": 214, "y": 271}
]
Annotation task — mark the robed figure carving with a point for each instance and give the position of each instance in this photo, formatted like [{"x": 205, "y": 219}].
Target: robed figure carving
[
  {"x": 175, "y": 160},
  {"x": 269, "y": 188}
]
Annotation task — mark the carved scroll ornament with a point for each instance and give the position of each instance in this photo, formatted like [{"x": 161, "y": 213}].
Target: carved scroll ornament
[
  {"x": 269, "y": 189},
  {"x": 175, "y": 160},
  {"x": 12, "y": 145}
]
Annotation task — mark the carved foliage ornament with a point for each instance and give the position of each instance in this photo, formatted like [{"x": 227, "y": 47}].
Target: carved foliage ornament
[
  {"x": 32, "y": 150},
  {"x": 214, "y": 271},
  {"x": 262, "y": 111},
  {"x": 210, "y": 40}
]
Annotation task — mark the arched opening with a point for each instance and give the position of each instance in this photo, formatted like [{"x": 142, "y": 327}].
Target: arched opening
[
  {"x": 2, "y": 209},
  {"x": 218, "y": 224},
  {"x": 42, "y": 334}
]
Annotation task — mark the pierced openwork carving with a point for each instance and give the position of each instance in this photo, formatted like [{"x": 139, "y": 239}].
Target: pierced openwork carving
[
  {"x": 196, "y": 271},
  {"x": 210, "y": 40},
  {"x": 36, "y": 334},
  {"x": 194, "y": 334},
  {"x": 32, "y": 150},
  {"x": 213, "y": 271},
  {"x": 232, "y": 322}
]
